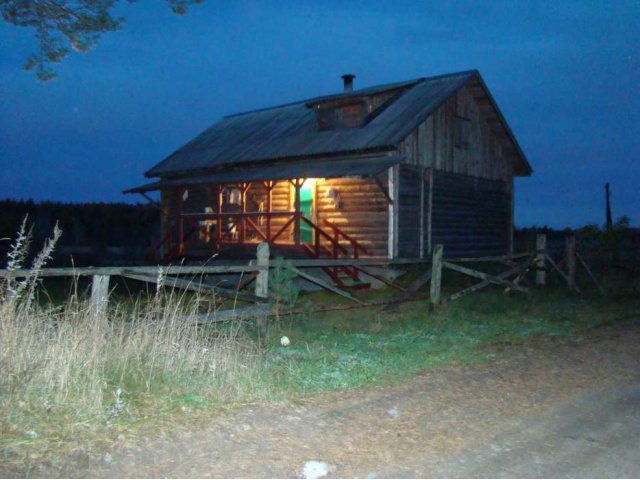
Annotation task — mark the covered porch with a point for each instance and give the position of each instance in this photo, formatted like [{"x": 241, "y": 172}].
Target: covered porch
[{"x": 329, "y": 208}]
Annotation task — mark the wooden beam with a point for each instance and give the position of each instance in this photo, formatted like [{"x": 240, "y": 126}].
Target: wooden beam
[
  {"x": 201, "y": 269},
  {"x": 436, "y": 275},
  {"x": 593, "y": 277},
  {"x": 181, "y": 192},
  {"x": 482, "y": 276},
  {"x": 269, "y": 185},
  {"x": 382, "y": 189},
  {"x": 243, "y": 210},
  {"x": 422, "y": 213},
  {"x": 297, "y": 185},
  {"x": 392, "y": 232},
  {"x": 430, "y": 211},
  {"x": 411, "y": 291},
  {"x": 243, "y": 313},
  {"x": 497, "y": 258},
  {"x": 570, "y": 248},
  {"x": 262, "y": 280},
  {"x": 541, "y": 269},
  {"x": 262, "y": 283},
  {"x": 380, "y": 278},
  {"x": 99, "y": 294},
  {"x": 324, "y": 284},
  {"x": 557, "y": 268},
  {"x": 193, "y": 286},
  {"x": 485, "y": 283},
  {"x": 245, "y": 280}
]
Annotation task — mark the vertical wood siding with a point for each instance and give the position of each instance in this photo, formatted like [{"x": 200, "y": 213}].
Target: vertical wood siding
[
  {"x": 470, "y": 216},
  {"x": 471, "y": 193},
  {"x": 409, "y": 211},
  {"x": 433, "y": 143}
]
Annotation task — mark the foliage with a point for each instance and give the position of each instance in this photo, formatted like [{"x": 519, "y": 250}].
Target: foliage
[
  {"x": 60, "y": 24},
  {"x": 283, "y": 294},
  {"x": 607, "y": 237},
  {"x": 86, "y": 226}
]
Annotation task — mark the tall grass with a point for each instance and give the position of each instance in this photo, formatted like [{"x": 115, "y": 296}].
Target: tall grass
[
  {"x": 66, "y": 368},
  {"x": 101, "y": 365}
]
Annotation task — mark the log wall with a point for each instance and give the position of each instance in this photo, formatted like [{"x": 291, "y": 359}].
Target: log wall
[{"x": 361, "y": 210}]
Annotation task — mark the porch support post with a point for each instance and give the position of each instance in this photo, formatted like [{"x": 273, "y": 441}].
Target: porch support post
[
  {"x": 392, "y": 238},
  {"x": 268, "y": 185},
  {"x": 243, "y": 211},
  {"x": 181, "y": 220},
  {"x": 219, "y": 189},
  {"x": 422, "y": 213},
  {"x": 296, "y": 206}
]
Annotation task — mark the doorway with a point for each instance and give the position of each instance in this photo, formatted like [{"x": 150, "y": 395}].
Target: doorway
[{"x": 306, "y": 207}]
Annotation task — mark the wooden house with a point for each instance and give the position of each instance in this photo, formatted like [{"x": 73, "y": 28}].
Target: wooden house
[{"x": 385, "y": 171}]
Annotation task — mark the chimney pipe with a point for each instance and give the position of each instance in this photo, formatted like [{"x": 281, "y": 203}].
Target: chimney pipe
[{"x": 348, "y": 82}]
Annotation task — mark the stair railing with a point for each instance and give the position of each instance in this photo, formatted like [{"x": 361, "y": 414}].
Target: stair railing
[{"x": 336, "y": 249}]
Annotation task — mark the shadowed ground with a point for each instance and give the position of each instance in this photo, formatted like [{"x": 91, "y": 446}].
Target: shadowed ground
[{"x": 549, "y": 407}]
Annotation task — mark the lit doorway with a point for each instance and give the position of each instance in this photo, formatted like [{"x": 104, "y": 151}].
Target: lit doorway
[{"x": 306, "y": 207}]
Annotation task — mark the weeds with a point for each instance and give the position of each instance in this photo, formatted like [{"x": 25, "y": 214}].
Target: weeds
[
  {"x": 69, "y": 366},
  {"x": 67, "y": 372}
]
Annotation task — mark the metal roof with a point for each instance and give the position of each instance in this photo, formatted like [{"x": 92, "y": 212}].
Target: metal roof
[
  {"x": 289, "y": 131},
  {"x": 363, "y": 166}
]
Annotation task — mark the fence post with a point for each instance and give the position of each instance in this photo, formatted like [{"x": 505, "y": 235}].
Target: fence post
[
  {"x": 436, "y": 274},
  {"x": 99, "y": 293},
  {"x": 570, "y": 245},
  {"x": 262, "y": 281},
  {"x": 541, "y": 268}
]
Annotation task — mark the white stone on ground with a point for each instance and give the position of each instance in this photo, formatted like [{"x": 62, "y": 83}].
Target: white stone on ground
[{"x": 313, "y": 469}]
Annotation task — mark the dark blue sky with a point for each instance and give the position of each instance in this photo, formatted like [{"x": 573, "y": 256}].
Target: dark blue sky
[{"x": 565, "y": 74}]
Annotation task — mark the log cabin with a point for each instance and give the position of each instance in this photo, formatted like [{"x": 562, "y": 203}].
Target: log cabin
[{"x": 384, "y": 171}]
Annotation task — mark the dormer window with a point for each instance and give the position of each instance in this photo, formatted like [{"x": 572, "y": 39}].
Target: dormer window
[
  {"x": 353, "y": 109},
  {"x": 334, "y": 117}
]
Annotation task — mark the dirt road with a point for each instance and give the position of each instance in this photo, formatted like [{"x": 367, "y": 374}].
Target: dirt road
[{"x": 543, "y": 408}]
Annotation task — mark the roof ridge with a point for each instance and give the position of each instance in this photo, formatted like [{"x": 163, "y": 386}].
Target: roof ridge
[{"x": 390, "y": 86}]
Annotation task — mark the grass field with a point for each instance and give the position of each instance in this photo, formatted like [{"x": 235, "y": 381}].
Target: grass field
[{"x": 72, "y": 380}]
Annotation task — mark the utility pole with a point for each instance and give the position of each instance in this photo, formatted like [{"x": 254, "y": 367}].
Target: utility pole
[{"x": 608, "y": 199}]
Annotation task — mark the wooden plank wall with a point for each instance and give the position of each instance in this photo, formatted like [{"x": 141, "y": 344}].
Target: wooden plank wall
[
  {"x": 361, "y": 212},
  {"x": 470, "y": 216},
  {"x": 409, "y": 211},
  {"x": 433, "y": 145}
]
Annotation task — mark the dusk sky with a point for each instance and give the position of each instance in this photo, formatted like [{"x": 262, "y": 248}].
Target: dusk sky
[{"x": 566, "y": 76}]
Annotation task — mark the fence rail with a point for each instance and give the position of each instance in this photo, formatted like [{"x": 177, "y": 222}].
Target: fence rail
[{"x": 258, "y": 271}]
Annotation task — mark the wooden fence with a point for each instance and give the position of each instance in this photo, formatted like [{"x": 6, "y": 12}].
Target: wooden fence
[{"x": 517, "y": 266}]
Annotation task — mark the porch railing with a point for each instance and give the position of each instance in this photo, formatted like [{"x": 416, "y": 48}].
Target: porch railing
[{"x": 229, "y": 228}]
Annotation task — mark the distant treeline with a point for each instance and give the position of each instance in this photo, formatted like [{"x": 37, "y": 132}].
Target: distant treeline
[{"x": 92, "y": 232}]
